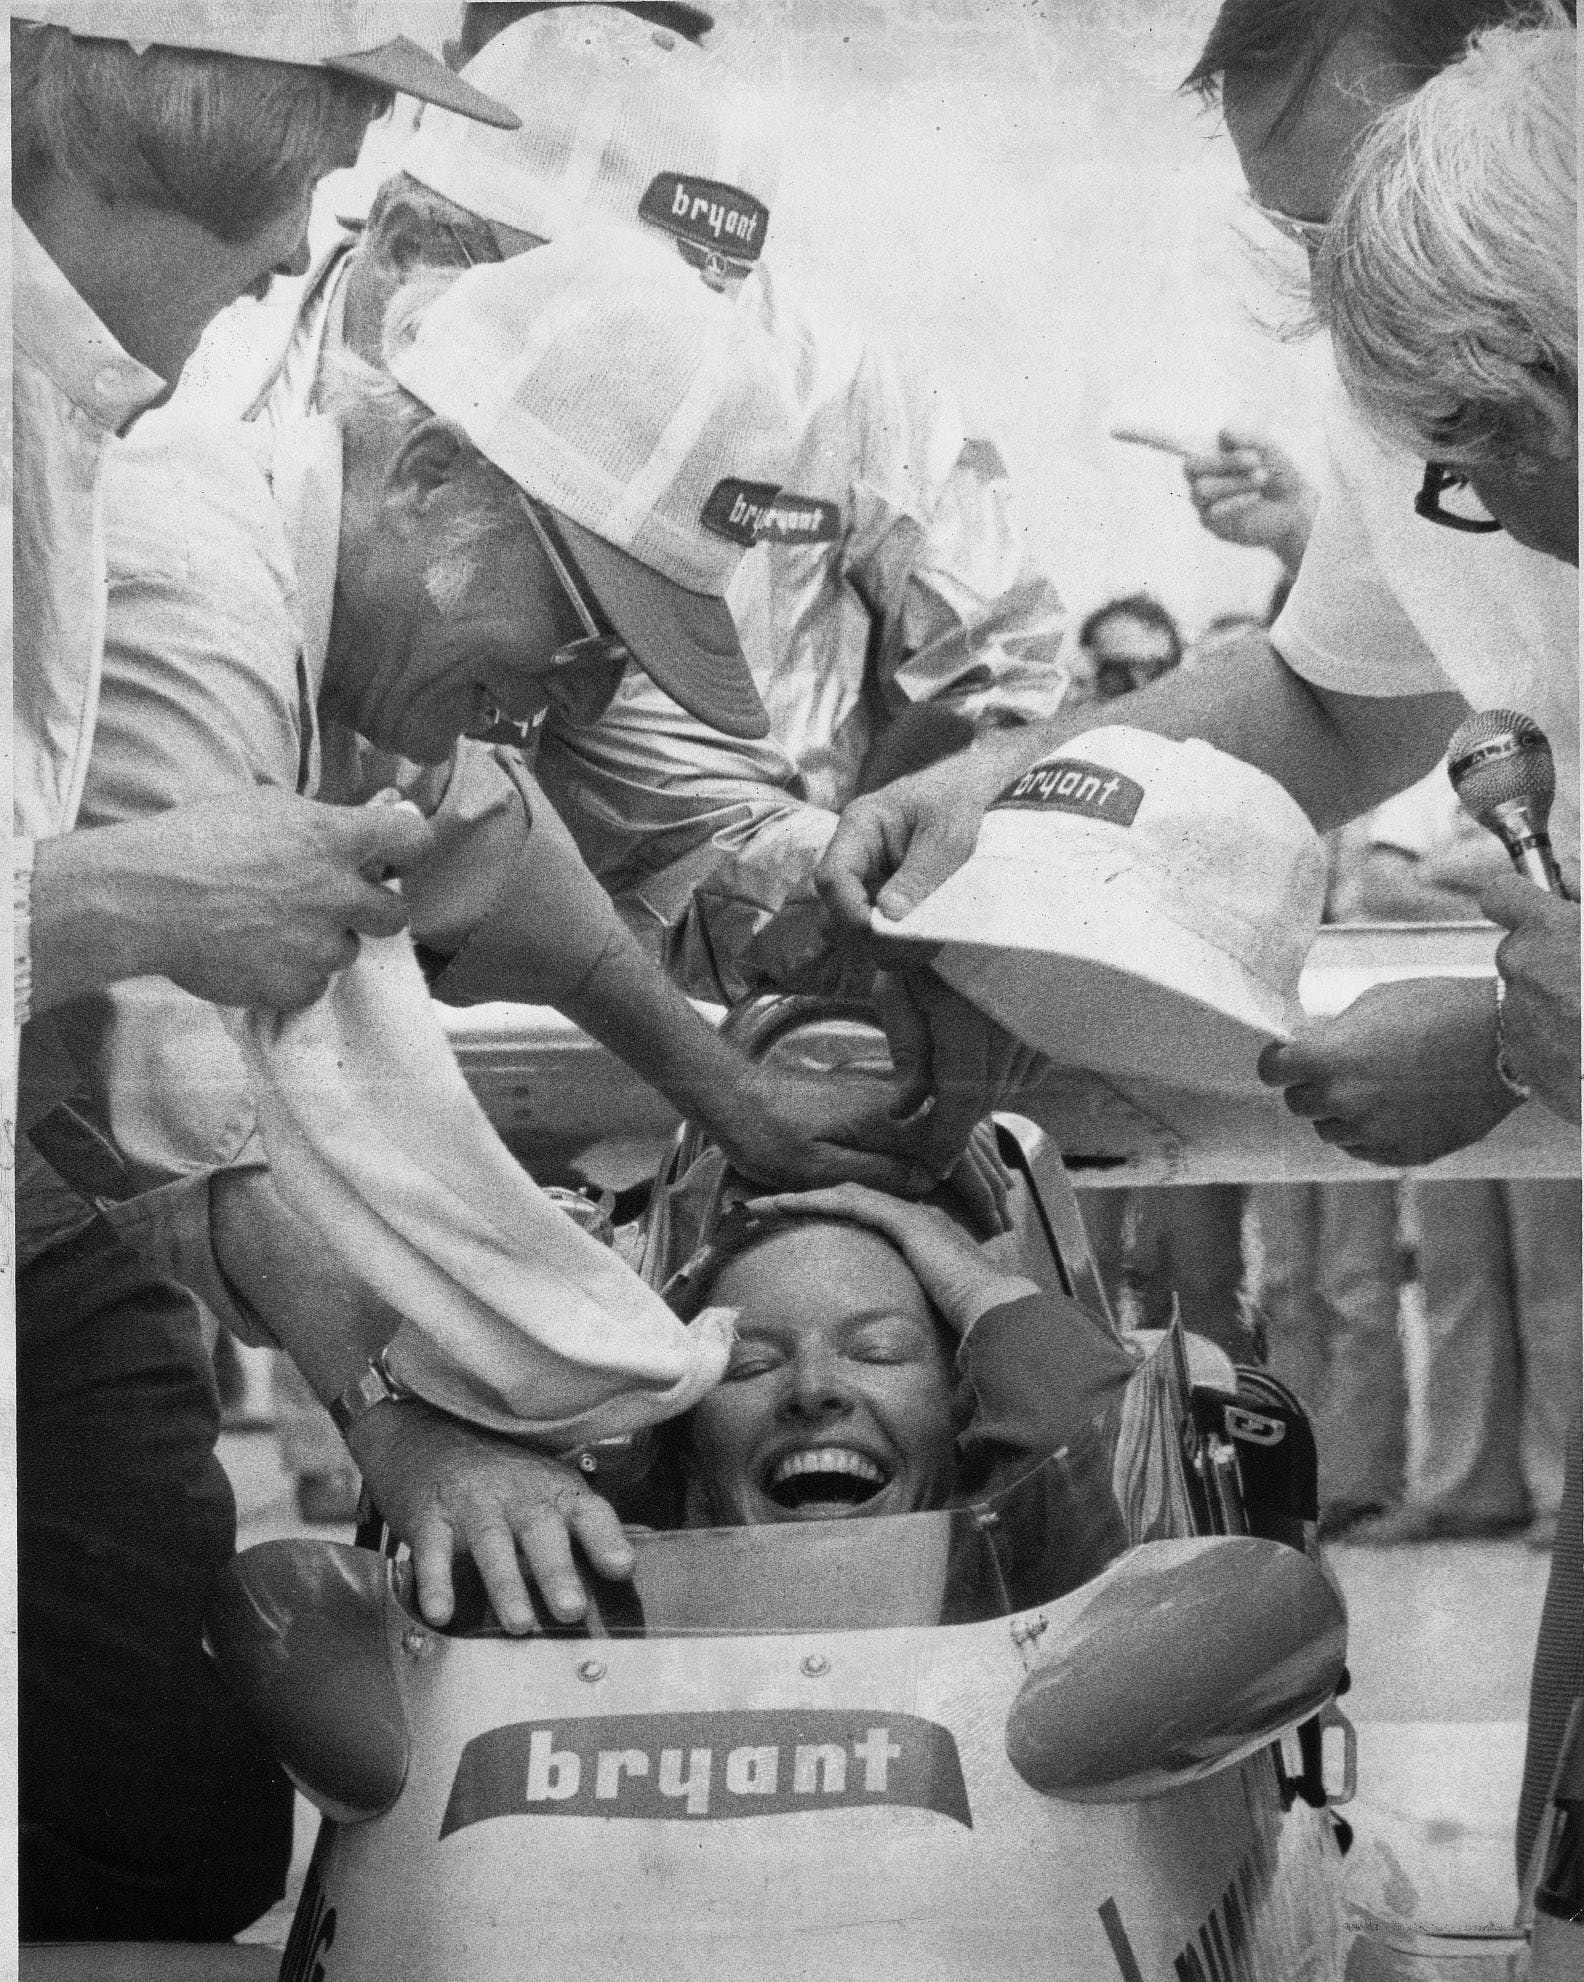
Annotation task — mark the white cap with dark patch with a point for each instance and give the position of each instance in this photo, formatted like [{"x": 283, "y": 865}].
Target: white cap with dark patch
[
  {"x": 649, "y": 414},
  {"x": 358, "y": 37},
  {"x": 622, "y": 123},
  {"x": 1137, "y": 906}
]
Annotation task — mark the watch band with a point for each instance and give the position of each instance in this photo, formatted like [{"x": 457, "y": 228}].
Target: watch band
[
  {"x": 372, "y": 1385},
  {"x": 1504, "y": 1067}
]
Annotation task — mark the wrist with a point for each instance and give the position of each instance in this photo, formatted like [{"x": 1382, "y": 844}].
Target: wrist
[{"x": 82, "y": 933}]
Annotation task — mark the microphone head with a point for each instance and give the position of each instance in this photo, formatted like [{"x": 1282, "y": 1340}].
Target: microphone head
[{"x": 1498, "y": 758}]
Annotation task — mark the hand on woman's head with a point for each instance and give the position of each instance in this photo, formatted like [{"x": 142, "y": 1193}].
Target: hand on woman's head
[
  {"x": 959, "y": 1280},
  {"x": 839, "y": 1399}
]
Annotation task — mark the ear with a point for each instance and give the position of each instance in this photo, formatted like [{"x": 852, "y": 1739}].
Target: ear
[
  {"x": 428, "y": 461},
  {"x": 401, "y": 236}
]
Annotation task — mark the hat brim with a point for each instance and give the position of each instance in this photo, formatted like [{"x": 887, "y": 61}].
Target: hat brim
[
  {"x": 683, "y": 640},
  {"x": 1088, "y": 969},
  {"x": 402, "y": 65}
]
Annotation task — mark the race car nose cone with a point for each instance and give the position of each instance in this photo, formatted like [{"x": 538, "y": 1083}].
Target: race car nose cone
[{"x": 1180, "y": 1658}]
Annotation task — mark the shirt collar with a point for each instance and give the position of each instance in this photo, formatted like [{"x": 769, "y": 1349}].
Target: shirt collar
[
  {"x": 61, "y": 335},
  {"x": 306, "y": 476}
]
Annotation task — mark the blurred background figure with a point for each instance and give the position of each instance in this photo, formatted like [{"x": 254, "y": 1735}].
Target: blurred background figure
[
  {"x": 1494, "y": 1331},
  {"x": 1123, "y": 645}
]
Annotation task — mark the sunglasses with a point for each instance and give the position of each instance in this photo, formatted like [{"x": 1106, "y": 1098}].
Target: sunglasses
[
  {"x": 582, "y": 674},
  {"x": 1445, "y": 497}
]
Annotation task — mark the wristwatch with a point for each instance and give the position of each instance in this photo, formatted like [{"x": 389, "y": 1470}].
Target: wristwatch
[{"x": 373, "y": 1385}]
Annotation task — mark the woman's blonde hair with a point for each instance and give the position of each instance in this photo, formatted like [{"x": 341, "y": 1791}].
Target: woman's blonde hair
[{"x": 1448, "y": 278}]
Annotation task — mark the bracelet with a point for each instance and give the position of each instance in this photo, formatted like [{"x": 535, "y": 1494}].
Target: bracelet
[{"x": 1504, "y": 1066}]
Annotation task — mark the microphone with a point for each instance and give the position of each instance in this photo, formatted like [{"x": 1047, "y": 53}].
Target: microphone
[{"x": 1501, "y": 769}]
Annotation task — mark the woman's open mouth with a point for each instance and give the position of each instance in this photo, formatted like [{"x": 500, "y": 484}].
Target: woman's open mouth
[{"x": 824, "y": 1482}]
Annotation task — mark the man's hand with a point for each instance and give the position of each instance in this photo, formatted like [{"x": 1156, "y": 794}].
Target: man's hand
[
  {"x": 1539, "y": 962},
  {"x": 446, "y": 1488},
  {"x": 257, "y": 898},
  {"x": 958, "y": 1278},
  {"x": 786, "y": 1129},
  {"x": 1249, "y": 492},
  {"x": 950, "y": 1057},
  {"x": 897, "y": 845},
  {"x": 1406, "y": 1074}
]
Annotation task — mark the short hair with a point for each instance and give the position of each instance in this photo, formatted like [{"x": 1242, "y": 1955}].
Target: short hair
[
  {"x": 1135, "y": 605},
  {"x": 1449, "y": 278},
  {"x": 227, "y": 141},
  {"x": 1270, "y": 39},
  {"x": 489, "y": 521}
]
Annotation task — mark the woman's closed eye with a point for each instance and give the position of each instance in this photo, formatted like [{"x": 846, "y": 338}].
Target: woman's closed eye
[
  {"x": 891, "y": 1339},
  {"x": 751, "y": 1358}
]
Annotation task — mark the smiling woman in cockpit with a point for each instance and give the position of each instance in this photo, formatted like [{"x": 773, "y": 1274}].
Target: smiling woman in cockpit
[{"x": 884, "y": 1363}]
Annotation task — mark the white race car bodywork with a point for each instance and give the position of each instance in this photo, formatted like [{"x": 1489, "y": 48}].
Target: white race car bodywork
[{"x": 832, "y": 1805}]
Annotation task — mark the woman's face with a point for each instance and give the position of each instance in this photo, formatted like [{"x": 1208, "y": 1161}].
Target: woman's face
[{"x": 838, "y": 1397}]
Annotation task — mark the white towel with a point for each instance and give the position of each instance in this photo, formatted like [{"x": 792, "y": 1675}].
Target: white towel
[{"x": 514, "y": 1317}]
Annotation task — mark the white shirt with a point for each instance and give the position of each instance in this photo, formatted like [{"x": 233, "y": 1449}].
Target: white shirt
[
  {"x": 222, "y": 547},
  {"x": 72, "y": 389},
  {"x": 1387, "y": 603}
]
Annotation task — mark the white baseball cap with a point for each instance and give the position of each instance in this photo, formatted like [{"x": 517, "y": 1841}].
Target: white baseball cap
[
  {"x": 358, "y": 37},
  {"x": 1136, "y": 906},
  {"x": 646, "y": 412},
  {"x": 622, "y": 123}
]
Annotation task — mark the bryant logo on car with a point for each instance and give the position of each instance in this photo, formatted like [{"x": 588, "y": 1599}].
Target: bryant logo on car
[
  {"x": 761, "y": 513},
  {"x": 1067, "y": 784},
  {"x": 707, "y": 212},
  {"x": 707, "y": 1765}
]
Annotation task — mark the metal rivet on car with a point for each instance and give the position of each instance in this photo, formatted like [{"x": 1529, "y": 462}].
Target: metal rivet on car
[
  {"x": 592, "y": 1669},
  {"x": 816, "y": 1665}
]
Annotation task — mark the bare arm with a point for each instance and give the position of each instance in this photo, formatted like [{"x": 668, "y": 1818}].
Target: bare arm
[
  {"x": 553, "y": 936},
  {"x": 1336, "y": 754}
]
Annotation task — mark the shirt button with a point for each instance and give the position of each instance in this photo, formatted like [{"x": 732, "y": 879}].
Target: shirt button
[{"x": 107, "y": 382}]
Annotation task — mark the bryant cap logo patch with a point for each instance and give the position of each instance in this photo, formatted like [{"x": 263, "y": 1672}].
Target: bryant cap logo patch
[
  {"x": 722, "y": 220},
  {"x": 760, "y": 513},
  {"x": 1067, "y": 784}
]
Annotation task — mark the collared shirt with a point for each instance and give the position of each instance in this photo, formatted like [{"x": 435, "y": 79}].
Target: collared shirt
[
  {"x": 72, "y": 389},
  {"x": 1387, "y": 603},
  {"x": 222, "y": 546},
  {"x": 915, "y": 586}
]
